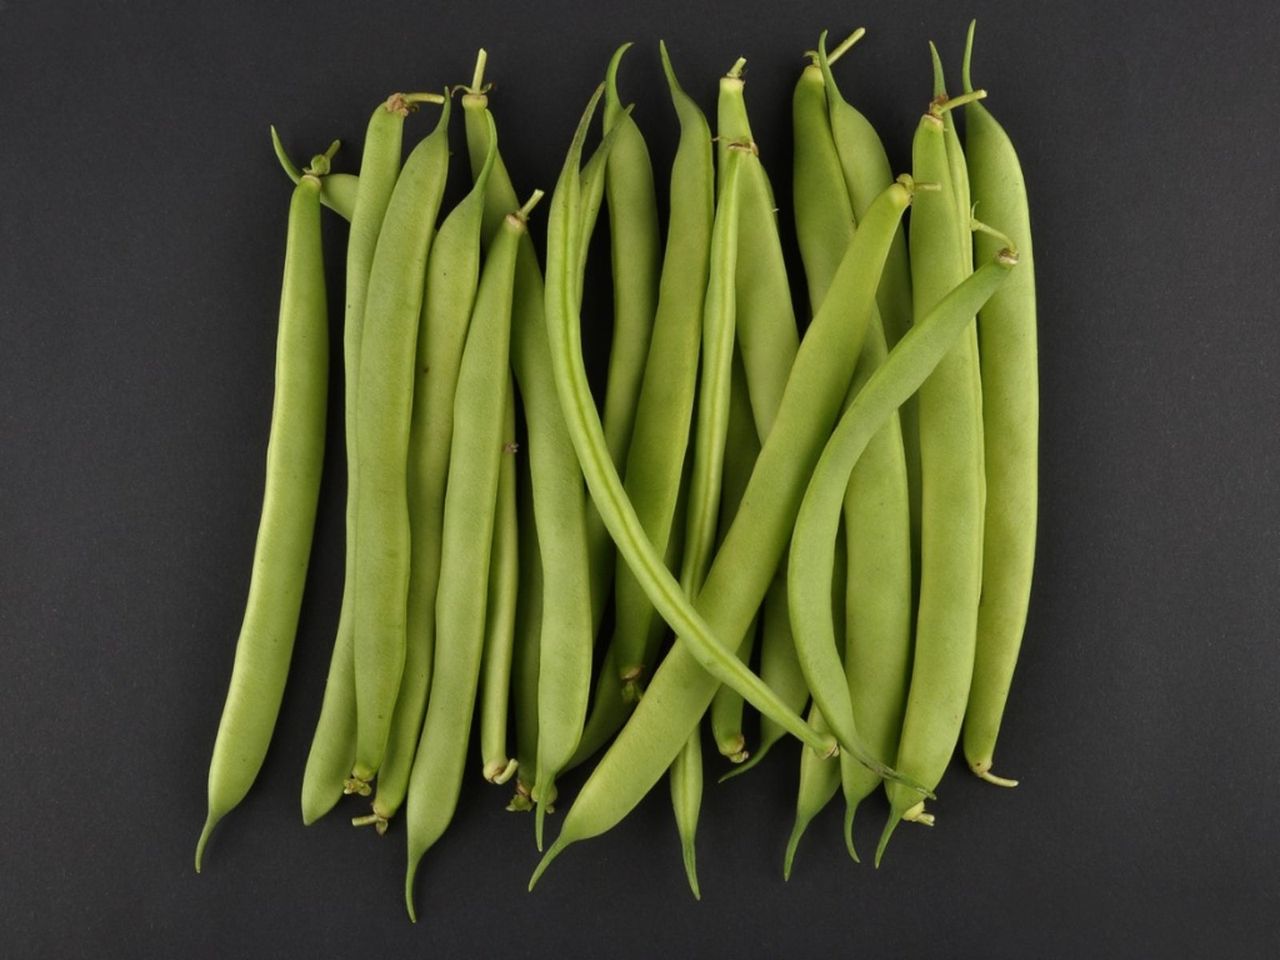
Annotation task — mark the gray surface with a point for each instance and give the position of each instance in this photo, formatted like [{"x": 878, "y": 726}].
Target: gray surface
[{"x": 142, "y": 219}]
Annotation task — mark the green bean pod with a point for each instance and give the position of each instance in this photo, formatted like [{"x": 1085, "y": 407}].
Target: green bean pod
[
  {"x": 765, "y": 317},
  {"x": 686, "y": 800},
  {"x": 877, "y": 588},
  {"x": 635, "y": 253},
  {"x": 741, "y": 449},
  {"x": 451, "y": 274},
  {"x": 664, "y": 410},
  {"x": 739, "y": 577},
  {"x": 524, "y": 669},
  {"x": 504, "y": 576},
  {"x": 878, "y": 591},
  {"x": 384, "y": 407},
  {"x": 952, "y": 487},
  {"x": 866, "y": 170},
  {"x": 1010, "y": 413},
  {"x": 333, "y": 746},
  {"x": 295, "y": 458},
  {"x": 559, "y": 499},
  {"x": 461, "y": 600},
  {"x": 819, "y": 780}
]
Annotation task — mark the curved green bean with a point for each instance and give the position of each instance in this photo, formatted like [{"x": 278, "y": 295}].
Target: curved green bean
[
  {"x": 664, "y": 410},
  {"x": 295, "y": 458},
  {"x": 1010, "y": 412}
]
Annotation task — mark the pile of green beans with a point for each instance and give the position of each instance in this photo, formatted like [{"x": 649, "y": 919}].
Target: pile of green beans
[{"x": 831, "y": 522}]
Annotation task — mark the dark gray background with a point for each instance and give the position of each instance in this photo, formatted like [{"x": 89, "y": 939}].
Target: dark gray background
[{"x": 142, "y": 221}]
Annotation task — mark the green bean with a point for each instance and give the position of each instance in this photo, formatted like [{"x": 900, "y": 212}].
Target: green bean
[
  {"x": 712, "y": 414},
  {"x": 877, "y": 513},
  {"x": 866, "y": 170},
  {"x": 528, "y": 624},
  {"x": 765, "y": 317},
  {"x": 564, "y": 670},
  {"x": 470, "y": 496},
  {"x": 559, "y": 499},
  {"x": 334, "y": 741},
  {"x": 878, "y": 591},
  {"x": 819, "y": 780},
  {"x": 1010, "y": 412},
  {"x": 707, "y": 478},
  {"x": 664, "y": 410},
  {"x": 295, "y": 458},
  {"x": 451, "y": 273},
  {"x": 337, "y": 190},
  {"x": 504, "y": 574},
  {"x": 686, "y": 801},
  {"x": 741, "y": 449},
  {"x": 388, "y": 343},
  {"x": 683, "y": 686},
  {"x": 952, "y": 486},
  {"x": 635, "y": 251},
  {"x": 602, "y": 479}
]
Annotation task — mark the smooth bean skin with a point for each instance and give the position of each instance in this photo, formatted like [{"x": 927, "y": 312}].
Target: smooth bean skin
[
  {"x": 635, "y": 250},
  {"x": 742, "y": 447},
  {"x": 470, "y": 496},
  {"x": 452, "y": 271},
  {"x": 740, "y": 575},
  {"x": 564, "y": 331},
  {"x": 333, "y": 746},
  {"x": 1010, "y": 412},
  {"x": 384, "y": 405},
  {"x": 714, "y": 382},
  {"x": 878, "y": 592},
  {"x": 664, "y": 410},
  {"x": 524, "y": 669},
  {"x": 295, "y": 458},
  {"x": 878, "y": 587},
  {"x": 952, "y": 489},
  {"x": 819, "y": 781},
  {"x": 866, "y": 170},
  {"x": 765, "y": 316},
  {"x": 559, "y": 498},
  {"x": 504, "y": 577}
]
